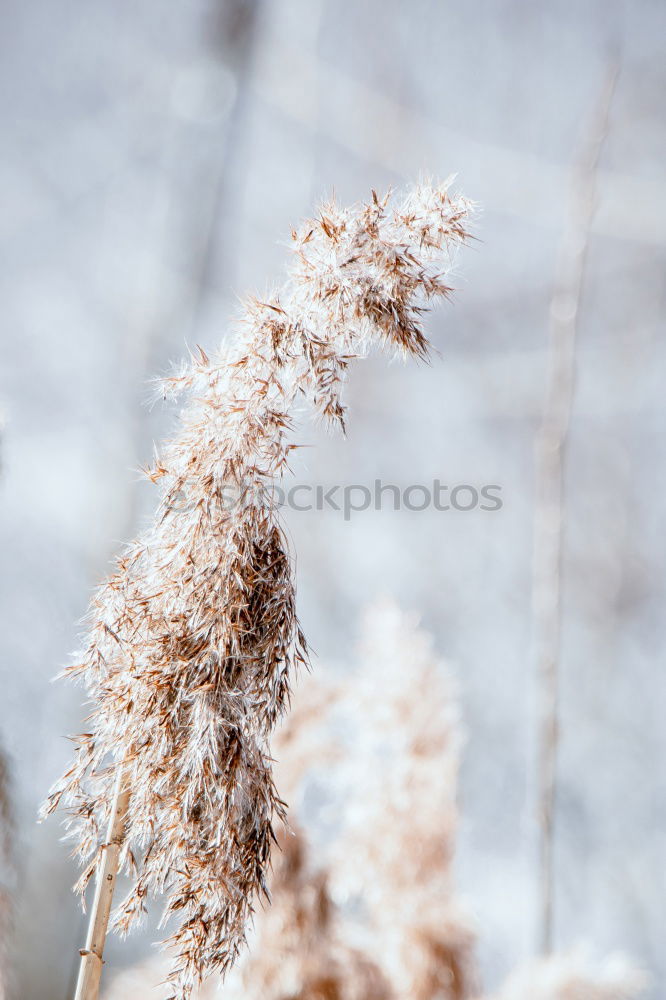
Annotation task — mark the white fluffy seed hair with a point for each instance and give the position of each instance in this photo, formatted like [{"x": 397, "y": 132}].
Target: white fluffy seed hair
[{"x": 194, "y": 638}]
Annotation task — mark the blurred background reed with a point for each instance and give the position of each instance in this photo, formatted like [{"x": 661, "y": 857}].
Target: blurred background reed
[{"x": 151, "y": 155}]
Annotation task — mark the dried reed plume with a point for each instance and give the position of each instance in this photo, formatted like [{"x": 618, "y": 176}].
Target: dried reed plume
[
  {"x": 407, "y": 796},
  {"x": 145, "y": 981},
  {"x": 391, "y": 766},
  {"x": 300, "y": 951},
  {"x": 194, "y": 637},
  {"x": 297, "y": 953},
  {"x": 385, "y": 881}
]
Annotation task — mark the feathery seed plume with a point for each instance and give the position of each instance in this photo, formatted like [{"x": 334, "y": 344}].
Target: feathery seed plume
[
  {"x": 382, "y": 750},
  {"x": 194, "y": 637},
  {"x": 297, "y": 953},
  {"x": 300, "y": 950}
]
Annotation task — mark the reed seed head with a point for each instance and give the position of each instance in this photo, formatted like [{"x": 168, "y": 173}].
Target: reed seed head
[{"x": 193, "y": 639}]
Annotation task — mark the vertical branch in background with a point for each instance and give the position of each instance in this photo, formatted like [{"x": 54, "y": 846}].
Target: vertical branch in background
[
  {"x": 6, "y": 853},
  {"x": 231, "y": 36},
  {"x": 90, "y": 968},
  {"x": 6, "y": 872},
  {"x": 550, "y": 458}
]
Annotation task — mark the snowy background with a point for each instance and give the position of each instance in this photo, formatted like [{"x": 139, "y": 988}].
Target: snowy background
[{"x": 154, "y": 156}]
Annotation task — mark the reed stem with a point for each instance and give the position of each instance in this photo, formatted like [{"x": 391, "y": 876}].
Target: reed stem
[{"x": 90, "y": 970}]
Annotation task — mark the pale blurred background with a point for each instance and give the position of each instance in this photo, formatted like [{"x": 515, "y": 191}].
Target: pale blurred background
[{"x": 154, "y": 157}]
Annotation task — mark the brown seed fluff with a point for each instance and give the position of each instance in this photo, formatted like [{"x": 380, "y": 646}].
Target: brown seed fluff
[{"x": 194, "y": 637}]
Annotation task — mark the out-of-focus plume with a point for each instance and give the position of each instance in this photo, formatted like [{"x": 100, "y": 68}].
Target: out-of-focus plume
[
  {"x": 194, "y": 638},
  {"x": 574, "y": 976},
  {"x": 300, "y": 951},
  {"x": 376, "y": 916},
  {"x": 391, "y": 766}
]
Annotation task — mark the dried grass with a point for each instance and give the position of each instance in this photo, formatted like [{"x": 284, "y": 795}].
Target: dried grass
[
  {"x": 194, "y": 638},
  {"x": 378, "y": 917},
  {"x": 384, "y": 749},
  {"x": 298, "y": 952}
]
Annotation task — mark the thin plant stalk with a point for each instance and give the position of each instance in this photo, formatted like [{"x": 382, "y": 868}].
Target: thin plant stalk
[
  {"x": 90, "y": 969},
  {"x": 550, "y": 463},
  {"x": 7, "y": 870}
]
